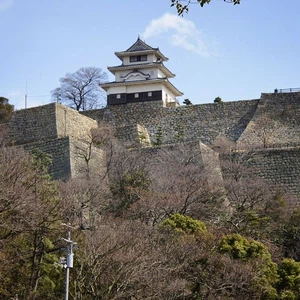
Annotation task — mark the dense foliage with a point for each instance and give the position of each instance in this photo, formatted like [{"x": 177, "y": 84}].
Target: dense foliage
[{"x": 6, "y": 110}]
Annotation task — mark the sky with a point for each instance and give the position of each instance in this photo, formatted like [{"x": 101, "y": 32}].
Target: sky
[{"x": 234, "y": 52}]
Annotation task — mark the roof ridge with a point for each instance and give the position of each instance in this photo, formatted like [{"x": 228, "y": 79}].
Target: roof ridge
[{"x": 140, "y": 45}]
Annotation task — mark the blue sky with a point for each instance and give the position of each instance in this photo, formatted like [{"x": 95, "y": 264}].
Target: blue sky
[{"x": 235, "y": 52}]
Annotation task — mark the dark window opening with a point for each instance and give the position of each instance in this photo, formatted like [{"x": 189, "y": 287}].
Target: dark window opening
[{"x": 138, "y": 58}]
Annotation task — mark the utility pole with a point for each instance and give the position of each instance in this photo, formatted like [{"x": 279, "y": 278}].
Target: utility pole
[
  {"x": 26, "y": 96},
  {"x": 67, "y": 263}
]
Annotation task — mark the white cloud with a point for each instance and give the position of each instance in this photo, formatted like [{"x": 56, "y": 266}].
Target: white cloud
[
  {"x": 5, "y": 4},
  {"x": 184, "y": 33}
]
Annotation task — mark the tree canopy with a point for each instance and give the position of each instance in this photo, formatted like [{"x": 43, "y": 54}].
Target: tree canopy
[
  {"x": 80, "y": 90},
  {"x": 6, "y": 110},
  {"x": 151, "y": 227}
]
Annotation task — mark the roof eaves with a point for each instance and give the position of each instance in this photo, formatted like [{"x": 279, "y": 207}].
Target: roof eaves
[{"x": 138, "y": 46}]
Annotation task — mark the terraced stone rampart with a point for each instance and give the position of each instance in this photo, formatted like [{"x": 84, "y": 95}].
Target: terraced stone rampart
[
  {"x": 279, "y": 166},
  {"x": 33, "y": 124},
  {"x": 184, "y": 123},
  {"x": 59, "y": 151},
  {"x": 61, "y": 132},
  {"x": 266, "y": 123},
  {"x": 48, "y": 122},
  {"x": 276, "y": 121}
]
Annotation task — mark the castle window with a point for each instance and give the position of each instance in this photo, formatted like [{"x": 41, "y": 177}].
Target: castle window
[
  {"x": 149, "y": 94},
  {"x": 138, "y": 58},
  {"x": 118, "y": 96},
  {"x": 136, "y": 95}
]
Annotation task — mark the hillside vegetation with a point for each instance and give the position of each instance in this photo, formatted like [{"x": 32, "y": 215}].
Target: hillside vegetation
[{"x": 146, "y": 229}]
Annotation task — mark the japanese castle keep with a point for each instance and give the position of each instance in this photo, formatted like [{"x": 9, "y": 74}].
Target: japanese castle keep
[
  {"x": 141, "y": 77},
  {"x": 143, "y": 111}
]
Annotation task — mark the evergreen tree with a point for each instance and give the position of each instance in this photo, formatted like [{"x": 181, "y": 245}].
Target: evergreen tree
[{"x": 6, "y": 110}]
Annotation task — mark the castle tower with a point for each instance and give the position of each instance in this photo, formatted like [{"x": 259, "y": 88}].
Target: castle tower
[{"x": 142, "y": 77}]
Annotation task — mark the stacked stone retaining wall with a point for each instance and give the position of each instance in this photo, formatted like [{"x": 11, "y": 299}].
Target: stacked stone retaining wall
[
  {"x": 185, "y": 123},
  {"x": 276, "y": 121},
  {"x": 272, "y": 120},
  {"x": 33, "y": 124},
  {"x": 59, "y": 151},
  {"x": 48, "y": 122},
  {"x": 70, "y": 122},
  {"x": 279, "y": 166},
  {"x": 86, "y": 160},
  {"x": 58, "y": 131}
]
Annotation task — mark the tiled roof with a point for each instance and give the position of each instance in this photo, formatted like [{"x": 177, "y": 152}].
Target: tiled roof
[
  {"x": 139, "y": 45},
  {"x": 140, "y": 48},
  {"x": 159, "y": 65},
  {"x": 164, "y": 81}
]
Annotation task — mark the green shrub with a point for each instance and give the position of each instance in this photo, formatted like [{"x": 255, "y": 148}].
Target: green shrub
[
  {"x": 241, "y": 248},
  {"x": 187, "y": 102},
  {"x": 289, "y": 282},
  {"x": 159, "y": 137},
  {"x": 184, "y": 224},
  {"x": 218, "y": 100}
]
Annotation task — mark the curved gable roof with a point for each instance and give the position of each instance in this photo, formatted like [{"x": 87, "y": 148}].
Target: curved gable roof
[
  {"x": 139, "y": 45},
  {"x": 140, "y": 48}
]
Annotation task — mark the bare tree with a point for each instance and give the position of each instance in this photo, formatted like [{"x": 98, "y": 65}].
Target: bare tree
[
  {"x": 257, "y": 206},
  {"x": 125, "y": 259},
  {"x": 180, "y": 183},
  {"x": 30, "y": 217},
  {"x": 80, "y": 90}
]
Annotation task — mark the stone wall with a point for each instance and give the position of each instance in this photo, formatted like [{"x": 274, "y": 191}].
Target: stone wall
[
  {"x": 48, "y": 122},
  {"x": 59, "y": 150},
  {"x": 280, "y": 166},
  {"x": 57, "y": 130},
  {"x": 69, "y": 158},
  {"x": 3, "y": 127},
  {"x": 185, "y": 123},
  {"x": 33, "y": 124},
  {"x": 275, "y": 122},
  {"x": 66, "y": 134},
  {"x": 3, "y": 133},
  {"x": 132, "y": 135},
  {"x": 86, "y": 160},
  {"x": 70, "y": 122}
]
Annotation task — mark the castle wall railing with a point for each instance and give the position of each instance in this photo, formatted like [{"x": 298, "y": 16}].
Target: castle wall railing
[{"x": 287, "y": 90}]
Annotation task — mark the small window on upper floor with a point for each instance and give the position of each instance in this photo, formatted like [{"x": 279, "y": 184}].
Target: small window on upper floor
[
  {"x": 118, "y": 96},
  {"x": 138, "y": 58},
  {"x": 136, "y": 95},
  {"x": 149, "y": 94}
]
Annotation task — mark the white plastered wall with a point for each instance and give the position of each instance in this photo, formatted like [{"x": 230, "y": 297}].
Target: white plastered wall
[
  {"x": 167, "y": 95},
  {"x": 153, "y": 72},
  {"x": 135, "y": 88}
]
